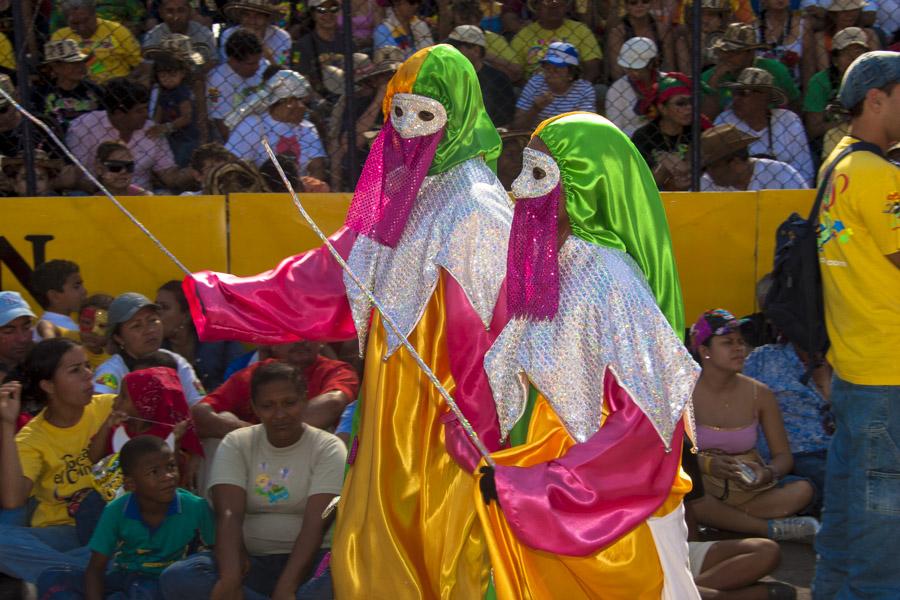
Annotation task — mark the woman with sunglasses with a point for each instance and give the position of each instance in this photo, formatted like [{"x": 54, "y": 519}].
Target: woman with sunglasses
[
  {"x": 115, "y": 170},
  {"x": 323, "y": 45},
  {"x": 665, "y": 142},
  {"x": 638, "y": 21}
]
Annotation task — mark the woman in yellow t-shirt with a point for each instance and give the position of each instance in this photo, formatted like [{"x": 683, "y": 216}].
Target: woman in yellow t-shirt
[{"x": 51, "y": 457}]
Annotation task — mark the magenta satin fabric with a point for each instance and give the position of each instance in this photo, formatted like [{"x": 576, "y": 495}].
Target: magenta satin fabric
[
  {"x": 303, "y": 298},
  {"x": 389, "y": 183},
  {"x": 599, "y": 491},
  {"x": 532, "y": 266},
  {"x": 467, "y": 343}
]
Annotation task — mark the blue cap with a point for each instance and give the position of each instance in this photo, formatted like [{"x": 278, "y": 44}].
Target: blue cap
[
  {"x": 561, "y": 54},
  {"x": 871, "y": 70},
  {"x": 13, "y": 306}
]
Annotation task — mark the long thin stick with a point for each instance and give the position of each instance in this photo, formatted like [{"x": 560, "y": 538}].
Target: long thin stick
[
  {"x": 43, "y": 127},
  {"x": 384, "y": 314}
]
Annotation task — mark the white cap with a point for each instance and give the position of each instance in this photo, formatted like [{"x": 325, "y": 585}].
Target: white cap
[
  {"x": 468, "y": 34},
  {"x": 636, "y": 53},
  {"x": 280, "y": 86}
]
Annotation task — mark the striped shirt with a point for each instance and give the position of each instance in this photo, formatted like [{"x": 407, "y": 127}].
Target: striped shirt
[{"x": 581, "y": 96}]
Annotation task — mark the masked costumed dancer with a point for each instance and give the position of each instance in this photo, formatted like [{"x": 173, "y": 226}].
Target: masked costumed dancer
[
  {"x": 590, "y": 379},
  {"x": 427, "y": 232}
]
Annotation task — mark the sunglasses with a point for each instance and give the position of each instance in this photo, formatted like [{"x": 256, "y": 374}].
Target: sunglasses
[
  {"x": 327, "y": 9},
  {"x": 117, "y": 166}
]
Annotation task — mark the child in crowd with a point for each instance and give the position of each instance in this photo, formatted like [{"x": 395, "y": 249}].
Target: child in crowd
[
  {"x": 206, "y": 158},
  {"x": 143, "y": 531},
  {"x": 115, "y": 169},
  {"x": 59, "y": 289},
  {"x": 174, "y": 102},
  {"x": 91, "y": 332}
]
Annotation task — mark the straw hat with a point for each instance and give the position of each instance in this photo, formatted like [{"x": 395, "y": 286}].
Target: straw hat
[
  {"x": 752, "y": 78},
  {"x": 844, "y": 5},
  {"x": 468, "y": 34},
  {"x": 386, "y": 59},
  {"x": 233, "y": 9},
  {"x": 177, "y": 45},
  {"x": 849, "y": 36},
  {"x": 63, "y": 51},
  {"x": 738, "y": 36},
  {"x": 721, "y": 142}
]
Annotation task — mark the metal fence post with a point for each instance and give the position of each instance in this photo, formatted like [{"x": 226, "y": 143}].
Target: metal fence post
[{"x": 23, "y": 74}]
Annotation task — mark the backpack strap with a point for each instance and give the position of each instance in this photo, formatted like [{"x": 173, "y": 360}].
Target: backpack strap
[{"x": 826, "y": 176}]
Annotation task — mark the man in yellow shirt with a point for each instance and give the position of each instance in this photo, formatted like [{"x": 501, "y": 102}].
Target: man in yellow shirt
[
  {"x": 859, "y": 250},
  {"x": 531, "y": 43},
  {"x": 112, "y": 49}
]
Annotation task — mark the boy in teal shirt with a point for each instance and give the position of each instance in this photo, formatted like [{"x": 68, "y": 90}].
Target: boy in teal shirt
[{"x": 146, "y": 530}]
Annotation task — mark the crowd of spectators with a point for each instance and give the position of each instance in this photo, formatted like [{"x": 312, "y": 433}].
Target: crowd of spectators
[{"x": 168, "y": 77}]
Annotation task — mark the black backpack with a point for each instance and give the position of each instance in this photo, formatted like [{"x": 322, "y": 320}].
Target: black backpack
[{"x": 794, "y": 302}]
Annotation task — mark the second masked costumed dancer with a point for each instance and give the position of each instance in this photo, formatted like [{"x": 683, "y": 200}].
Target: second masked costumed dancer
[
  {"x": 591, "y": 380},
  {"x": 427, "y": 232}
]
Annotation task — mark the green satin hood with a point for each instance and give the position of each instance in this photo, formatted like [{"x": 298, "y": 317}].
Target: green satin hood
[
  {"x": 443, "y": 73},
  {"x": 612, "y": 200}
]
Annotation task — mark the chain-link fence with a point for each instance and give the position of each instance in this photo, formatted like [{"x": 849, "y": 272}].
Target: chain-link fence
[{"x": 155, "y": 100}]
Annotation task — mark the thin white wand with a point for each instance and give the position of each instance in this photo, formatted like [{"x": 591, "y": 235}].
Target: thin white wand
[{"x": 384, "y": 314}]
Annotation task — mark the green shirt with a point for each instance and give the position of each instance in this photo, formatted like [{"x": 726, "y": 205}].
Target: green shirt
[
  {"x": 819, "y": 92},
  {"x": 140, "y": 549},
  {"x": 783, "y": 80}
]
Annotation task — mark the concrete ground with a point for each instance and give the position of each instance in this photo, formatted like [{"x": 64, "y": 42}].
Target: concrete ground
[{"x": 797, "y": 565}]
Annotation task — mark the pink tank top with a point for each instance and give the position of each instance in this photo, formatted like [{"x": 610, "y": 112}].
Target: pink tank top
[{"x": 731, "y": 441}]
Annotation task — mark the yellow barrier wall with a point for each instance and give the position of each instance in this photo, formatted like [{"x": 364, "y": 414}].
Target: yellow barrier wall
[{"x": 723, "y": 242}]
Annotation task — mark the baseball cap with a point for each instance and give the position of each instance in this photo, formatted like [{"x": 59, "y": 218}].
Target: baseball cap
[
  {"x": 636, "y": 53},
  {"x": 13, "y": 306},
  {"x": 849, "y": 36},
  {"x": 468, "y": 34},
  {"x": 711, "y": 323},
  {"x": 561, "y": 54},
  {"x": 872, "y": 70},
  {"x": 124, "y": 307}
]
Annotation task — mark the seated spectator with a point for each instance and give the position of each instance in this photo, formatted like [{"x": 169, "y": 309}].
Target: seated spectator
[
  {"x": 209, "y": 359},
  {"x": 68, "y": 94},
  {"x": 496, "y": 89},
  {"x": 323, "y": 46},
  {"x": 330, "y": 384},
  {"x": 142, "y": 532},
  {"x": 51, "y": 458},
  {"x": 114, "y": 166},
  {"x": 804, "y": 406},
  {"x": 231, "y": 82},
  {"x": 403, "y": 29},
  {"x": 256, "y": 16},
  {"x": 16, "y": 335},
  {"x": 821, "y": 90},
  {"x": 736, "y": 50},
  {"x": 665, "y": 142},
  {"x": 498, "y": 53},
  {"x": 365, "y": 15},
  {"x": 629, "y": 101},
  {"x": 558, "y": 88},
  {"x": 112, "y": 49},
  {"x": 781, "y": 31},
  {"x": 46, "y": 170},
  {"x": 237, "y": 177},
  {"x": 59, "y": 289},
  {"x": 174, "y": 64},
  {"x": 728, "y": 166},
  {"x": 176, "y": 18},
  {"x": 270, "y": 484},
  {"x": 817, "y": 45},
  {"x": 729, "y": 408},
  {"x": 136, "y": 330},
  {"x": 92, "y": 321},
  {"x": 779, "y": 131},
  {"x": 715, "y": 17},
  {"x": 532, "y": 42},
  {"x": 639, "y": 21},
  {"x": 206, "y": 158},
  {"x": 283, "y": 123},
  {"x": 125, "y": 119}
]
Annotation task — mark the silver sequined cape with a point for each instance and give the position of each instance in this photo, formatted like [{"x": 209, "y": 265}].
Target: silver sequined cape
[
  {"x": 607, "y": 318},
  {"x": 460, "y": 221}
]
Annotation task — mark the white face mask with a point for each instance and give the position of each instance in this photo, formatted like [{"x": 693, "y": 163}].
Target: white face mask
[
  {"x": 414, "y": 116},
  {"x": 540, "y": 174}
]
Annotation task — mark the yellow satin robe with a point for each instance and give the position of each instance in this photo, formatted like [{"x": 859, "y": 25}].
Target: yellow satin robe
[
  {"x": 406, "y": 527},
  {"x": 627, "y": 569}
]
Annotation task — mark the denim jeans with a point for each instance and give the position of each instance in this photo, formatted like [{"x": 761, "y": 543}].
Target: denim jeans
[
  {"x": 26, "y": 551},
  {"x": 195, "y": 577},
  {"x": 861, "y": 514},
  {"x": 67, "y": 583},
  {"x": 811, "y": 465}
]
